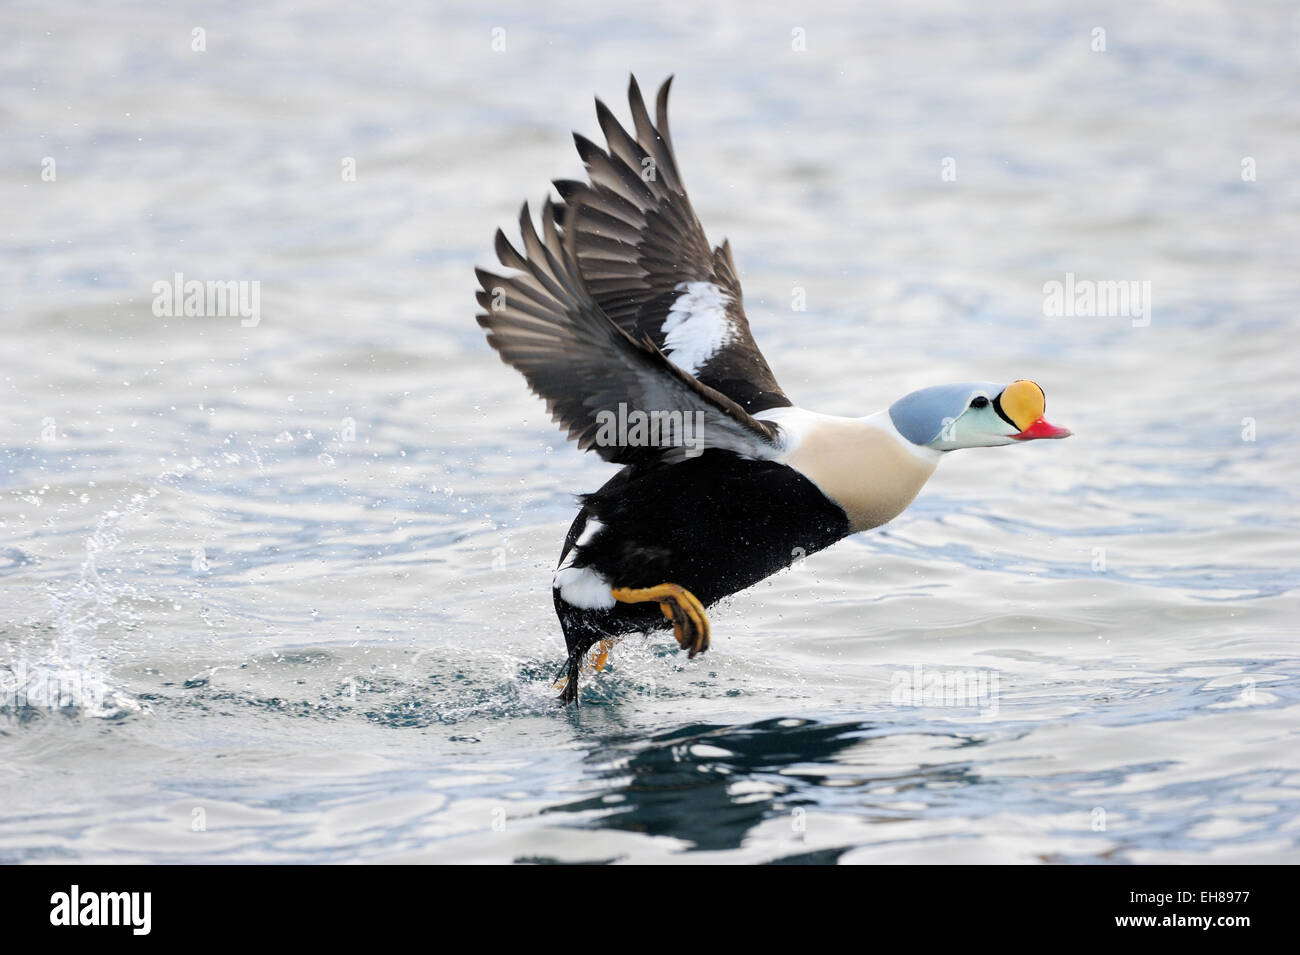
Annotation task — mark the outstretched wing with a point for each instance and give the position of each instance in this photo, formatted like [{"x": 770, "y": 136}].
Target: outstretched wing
[
  {"x": 644, "y": 257},
  {"x": 613, "y": 393}
]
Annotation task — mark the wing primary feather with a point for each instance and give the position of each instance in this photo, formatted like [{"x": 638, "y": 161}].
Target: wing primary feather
[
  {"x": 661, "y": 112},
  {"x": 620, "y": 143}
]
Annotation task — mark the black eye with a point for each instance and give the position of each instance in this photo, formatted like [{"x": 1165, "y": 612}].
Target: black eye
[{"x": 979, "y": 401}]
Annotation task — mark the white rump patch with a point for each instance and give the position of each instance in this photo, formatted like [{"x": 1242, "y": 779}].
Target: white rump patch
[
  {"x": 697, "y": 325},
  {"x": 583, "y": 587}
]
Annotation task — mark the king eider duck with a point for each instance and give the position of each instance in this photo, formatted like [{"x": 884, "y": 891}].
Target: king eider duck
[{"x": 630, "y": 326}]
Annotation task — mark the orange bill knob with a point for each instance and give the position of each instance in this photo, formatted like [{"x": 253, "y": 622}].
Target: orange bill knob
[{"x": 1023, "y": 402}]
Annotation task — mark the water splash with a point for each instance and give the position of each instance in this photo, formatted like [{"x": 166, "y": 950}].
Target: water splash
[{"x": 74, "y": 674}]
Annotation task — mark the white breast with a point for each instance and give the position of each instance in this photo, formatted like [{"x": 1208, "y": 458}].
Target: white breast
[{"x": 862, "y": 464}]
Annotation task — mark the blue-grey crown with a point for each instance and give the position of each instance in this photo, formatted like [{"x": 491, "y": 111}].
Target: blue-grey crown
[{"x": 919, "y": 417}]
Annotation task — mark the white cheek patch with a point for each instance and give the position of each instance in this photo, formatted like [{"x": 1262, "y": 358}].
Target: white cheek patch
[
  {"x": 583, "y": 587},
  {"x": 697, "y": 325}
]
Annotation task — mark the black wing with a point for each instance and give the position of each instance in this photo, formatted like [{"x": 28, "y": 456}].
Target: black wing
[
  {"x": 545, "y": 324},
  {"x": 642, "y": 251}
]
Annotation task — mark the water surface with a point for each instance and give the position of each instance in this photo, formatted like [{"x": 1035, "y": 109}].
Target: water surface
[{"x": 280, "y": 592}]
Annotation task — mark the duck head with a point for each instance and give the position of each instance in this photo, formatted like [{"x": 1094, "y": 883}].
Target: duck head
[{"x": 974, "y": 414}]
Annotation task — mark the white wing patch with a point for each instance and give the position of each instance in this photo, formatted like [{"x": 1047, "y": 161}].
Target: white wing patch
[
  {"x": 697, "y": 325},
  {"x": 590, "y": 528}
]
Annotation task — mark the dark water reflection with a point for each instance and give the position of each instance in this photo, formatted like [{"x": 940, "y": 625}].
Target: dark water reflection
[{"x": 682, "y": 783}]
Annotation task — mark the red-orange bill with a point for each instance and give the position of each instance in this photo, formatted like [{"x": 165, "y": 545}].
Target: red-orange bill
[{"x": 1042, "y": 429}]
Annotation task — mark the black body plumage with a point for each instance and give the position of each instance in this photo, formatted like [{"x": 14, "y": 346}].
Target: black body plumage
[{"x": 715, "y": 524}]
